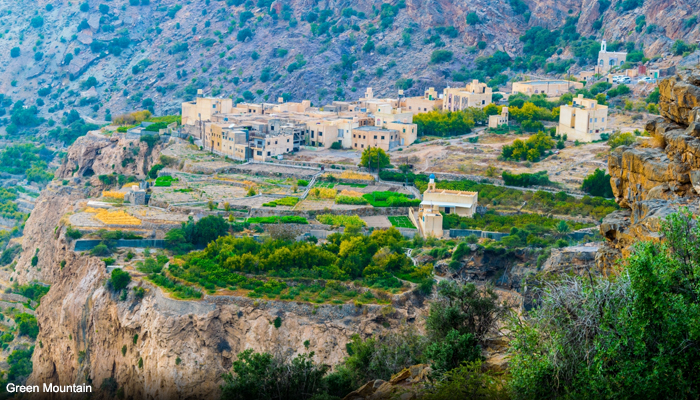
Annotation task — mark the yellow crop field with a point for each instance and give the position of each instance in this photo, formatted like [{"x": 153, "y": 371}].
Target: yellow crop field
[
  {"x": 356, "y": 175},
  {"x": 324, "y": 193},
  {"x": 113, "y": 195},
  {"x": 350, "y": 193},
  {"x": 113, "y": 217}
]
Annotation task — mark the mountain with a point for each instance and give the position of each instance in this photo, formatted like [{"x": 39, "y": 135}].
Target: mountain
[{"x": 319, "y": 50}]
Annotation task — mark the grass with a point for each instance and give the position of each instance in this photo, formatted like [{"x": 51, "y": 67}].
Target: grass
[
  {"x": 165, "y": 181},
  {"x": 401, "y": 222},
  {"x": 331, "y": 292},
  {"x": 355, "y": 185},
  {"x": 285, "y": 201},
  {"x": 340, "y": 220},
  {"x": 328, "y": 185}
]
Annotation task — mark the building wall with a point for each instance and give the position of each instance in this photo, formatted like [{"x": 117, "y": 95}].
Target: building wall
[
  {"x": 584, "y": 121},
  {"x": 469, "y": 200},
  {"x": 408, "y": 133},
  {"x": 203, "y": 108},
  {"x": 417, "y": 105},
  {"x": 385, "y": 139},
  {"x": 475, "y": 94},
  {"x": 271, "y": 146},
  {"x": 550, "y": 88},
  {"x": 609, "y": 59}
]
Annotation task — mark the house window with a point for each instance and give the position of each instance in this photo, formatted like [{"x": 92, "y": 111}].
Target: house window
[
  {"x": 382, "y": 137},
  {"x": 355, "y": 144},
  {"x": 272, "y": 128},
  {"x": 363, "y": 146},
  {"x": 259, "y": 152},
  {"x": 353, "y": 135},
  {"x": 447, "y": 210},
  {"x": 268, "y": 143},
  {"x": 364, "y": 137},
  {"x": 313, "y": 143},
  {"x": 268, "y": 153},
  {"x": 287, "y": 150},
  {"x": 213, "y": 106},
  {"x": 320, "y": 134},
  {"x": 312, "y": 133},
  {"x": 602, "y": 120}
]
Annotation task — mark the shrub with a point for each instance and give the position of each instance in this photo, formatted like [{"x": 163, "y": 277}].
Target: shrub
[
  {"x": 441, "y": 56},
  {"x": 350, "y": 200},
  {"x": 598, "y": 184},
  {"x": 618, "y": 139},
  {"x": 14, "y": 52},
  {"x": 27, "y": 324},
  {"x": 540, "y": 178},
  {"x": 119, "y": 280}
]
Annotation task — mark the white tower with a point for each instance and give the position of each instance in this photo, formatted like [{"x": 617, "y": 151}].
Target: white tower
[{"x": 603, "y": 46}]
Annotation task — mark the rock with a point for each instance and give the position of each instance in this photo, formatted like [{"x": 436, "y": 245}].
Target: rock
[{"x": 652, "y": 183}]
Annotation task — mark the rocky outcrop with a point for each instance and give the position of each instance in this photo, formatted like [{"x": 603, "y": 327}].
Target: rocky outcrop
[{"x": 657, "y": 177}]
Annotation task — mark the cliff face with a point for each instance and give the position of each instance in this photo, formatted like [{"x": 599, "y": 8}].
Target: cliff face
[
  {"x": 157, "y": 347},
  {"x": 656, "y": 178}
]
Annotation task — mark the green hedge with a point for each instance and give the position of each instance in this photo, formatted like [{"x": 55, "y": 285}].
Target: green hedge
[
  {"x": 390, "y": 199},
  {"x": 351, "y": 200}
]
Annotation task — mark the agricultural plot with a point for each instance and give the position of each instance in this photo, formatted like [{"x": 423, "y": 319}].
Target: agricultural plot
[{"x": 401, "y": 221}]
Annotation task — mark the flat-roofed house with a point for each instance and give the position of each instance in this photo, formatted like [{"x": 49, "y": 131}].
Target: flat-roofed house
[
  {"x": 428, "y": 218},
  {"x": 585, "y": 120}
]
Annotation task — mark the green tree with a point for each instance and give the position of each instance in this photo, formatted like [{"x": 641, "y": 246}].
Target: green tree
[
  {"x": 440, "y": 56},
  {"x": 14, "y": 52},
  {"x": 27, "y": 325},
  {"x": 598, "y": 184},
  {"x": 473, "y": 18},
  {"x": 374, "y": 158},
  {"x": 119, "y": 279},
  {"x": 210, "y": 228},
  {"x": 261, "y": 376}
]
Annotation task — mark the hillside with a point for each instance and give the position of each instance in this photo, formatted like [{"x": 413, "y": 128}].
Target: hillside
[{"x": 166, "y": 50}]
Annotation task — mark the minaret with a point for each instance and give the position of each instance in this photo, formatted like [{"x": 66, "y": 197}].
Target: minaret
[
  {"x": 431, "y": 183},
  {"x": 603, "y": 46}
]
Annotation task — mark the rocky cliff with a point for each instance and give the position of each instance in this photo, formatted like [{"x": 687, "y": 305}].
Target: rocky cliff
[
  {"x": 656, "y": 177},
  {"x": 157, "y": 347}
]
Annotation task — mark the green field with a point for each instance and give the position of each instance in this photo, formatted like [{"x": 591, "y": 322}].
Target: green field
[
  {"x": 401, "y": 222},
  {"x": 328, "y": 185}
]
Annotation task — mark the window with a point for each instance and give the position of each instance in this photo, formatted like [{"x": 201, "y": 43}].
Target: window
[
  {"x": 375, "y": 136},
  {"x": 268, "y": 143},
  {"x": 363, "y": 146},
  {"x": 596, "y": 120},
  {"x": 447, "y": 210},
  {"x": 382, "y": 137},
  {"x": 213, "y": 106},
  {"x": 287, "y": 149},
  {"x": 272, "y": 128},
  {"x": 259, "y": 152},
  {"x": 313, "y": 143},
  {"x": 312, "y": 133},
  {"x": 353, "y": 135},
  {"x": 268, "y": 153},
  {"x": 602, "y": 120},
  {"x": 364, "y": 137},
  {"x": 287, "y": 140},
  {"x": 320, "y": 134},
  {"x": 355, "y": 144}
]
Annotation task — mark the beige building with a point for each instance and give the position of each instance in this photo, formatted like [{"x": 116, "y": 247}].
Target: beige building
[
  {"x": 428, "y": 218},
  {"x": 584, "y": 120},
  {"x": 497, "y": 120},
  {"x": 373, "y": 136},
  {"x": 430, "y": 101},
  {"x": 203, "y": 108},
  {"x": 266, "y": 146},
  {"x": 585, "y": 76},
  {"x": 475, "y": 94},
  {"x": 608, "y": 60},
  {"x": 550, "y": 88}
]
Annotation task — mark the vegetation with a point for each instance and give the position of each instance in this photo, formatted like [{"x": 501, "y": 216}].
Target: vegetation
[
  {"x": 598, "y": 184},
  {"x": 401, "y": 222},
  {"x": 446, "y": 123},
  {"x": 526, "y": 180},
  {"x": 533, "y": 149},
  {"x": 376, "y": 259},
  {"x": 207, "y": 229},
  {"x": 618, "y": 139},
  {"x": 374, "y": 158},
  {"x": 27, "y": 325},
  {"x": 288, "y": 219},
  {"x": 390, "y": 199},
  {"x": 612, "y": 337},
  {"x": 340, "y": 220}
]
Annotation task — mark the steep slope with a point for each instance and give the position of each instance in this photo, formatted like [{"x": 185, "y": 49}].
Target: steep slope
[
  {"x": 655, "y": 179},
  {"x": 60, "y": 46}
]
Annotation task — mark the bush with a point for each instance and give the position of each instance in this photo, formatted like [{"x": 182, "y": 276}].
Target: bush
[
  {"x": 441, "y": 56},
  {"x": 291, "y": 219},
  {"x": 526, "y": 180},
  {"x": 350, "y": 200},
  {"x": 73, "y": 233},
  {"x": 119, "y": 279},
  {"x": 618, "y": 139},
  {"x": 27, "y": 324},
  {"x": 598, "y": 184},
  {"x": 14, "y": 52}
]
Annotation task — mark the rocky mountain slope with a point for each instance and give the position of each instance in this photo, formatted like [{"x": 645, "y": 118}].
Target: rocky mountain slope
[
  {"x": 164, "y": 50},
  {"x": 655, "y": 178}
]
